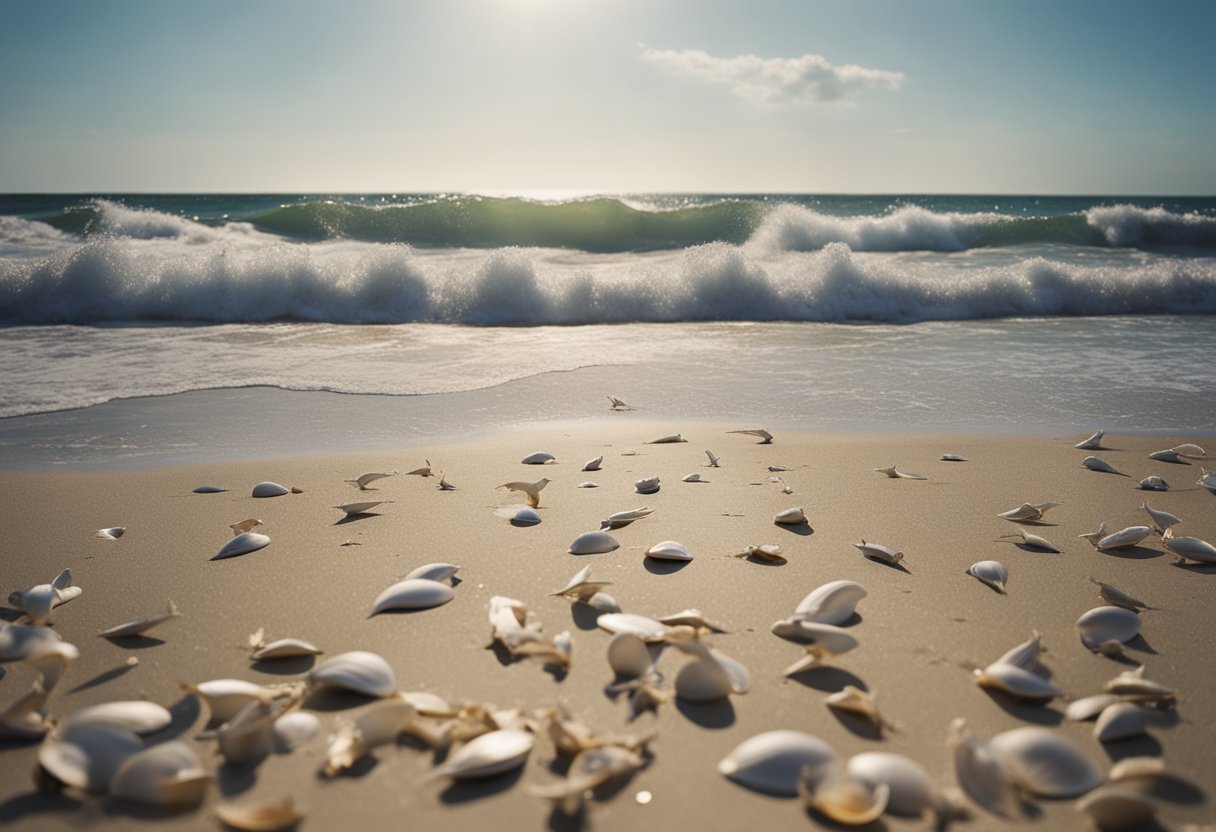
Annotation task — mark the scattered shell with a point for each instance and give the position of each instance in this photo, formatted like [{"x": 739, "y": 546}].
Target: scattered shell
[
  {"x": 772, "y": 762},
  {"x": 1093, "y": 463},
  {"x": 878, "y": 552},
  {"x": 588, "y": 484},
  {"x": 1119, "y": 721},
  {"x": 110, "y": 534},
  {"x": 766, "y": 552},
  {"x": 359, "y": 671},
  {"x": 603, "y": 602},
  {"x": 1103, "y": 624},
  {"x": 832, "y": 603},
  {"x": 691, "y": 618},
  {"x": 991, "y": 572},
  {"x": 953, "y": 458},
  {"x": 670, "y": 438},
  {"x": 593, "y": 464},
  {"x": 693, "y": 477},
  {"x": 843, "y": 798},
  {"x": 375, "y": 725},
  {"x": 1153, "y": 483},
  {"x": 1134, "y": 768},
  {"x": 628, "y": 656},
  {"x": 424, "y": 471},
  {"x": 285, "y": 648},
  {"x": 362, "y": 481},
  {"x": 487, "y": 755},
  {"x": 624, "y": 518},
  {"x": 911, "y": 791},
  {"x": 226, "y": 697},
  {"x": 1117, "y": 597},
  {"x": 248, "y": 737},
  {"x": 1017, "y": 682},
  {"x": 295, "y": 729},
  {"x": 134, "y": 628},
  {"x": 1167, "y": 456},
  {"x": 242, "y": 544},
  {"x": 647, "y": 629},
  {"x": 246, "y": 525},
  {"x": 790, "y": 517},
  {"x": 1043, "y": 763},
  {"x": 765, "y": 437},
  {"x": 822, "y": 641},
  {"x": 590, "y": 768},
  {"x": 537, "y": 458},
  {"x": 580, "y": 587},
  {"x": 169, "y": 775},
  {"x": 1121, "y": 539},
  {"x": 138, "y": 715},
  {"x": 1162, "y": 520},
  {"x": 38, "y": 601},
  {"x": 978, "y": 771},
  {"x": 413, "y": 594},
  {"x": 525, "y": 516},
  {"x": 1024, "y": 655},
  {"x": 530, "y": 489},
  {"x": 1029, "y": 511},
  {"x": 860, "y": 702},
  {"x": 669, "y": 550},
  {"x": 1037, "y": 542},
  {"x": 1089, "y": 707},
  {"x": 1207, "y": 480},
  {"x": 269, "y": 489},
  {"x": 1115, "y": 808},
  {"x": 896, "y": 474},
  {"x": 1132, "y": 686},
  {"x": 593, "y": 543},
  {"x": 646, "y": 485},
  {"x": 355, "y": 509},
  {"x": 1189, "y": 450},
  {"x": 1189, "y": 548},
  {"x": 1093, "y": 443},
  {"x": 210, "y": 489},
  {"x": 617, "y": 404},
  {"x": 271, "y": 816},
  {"x": 444, "y": 573},
  {"x": 710, "y": 676},
  {"x": 713, "y": 459},
  {"x": 444, "y": 485},
  {"x": 86, "y": 755}
]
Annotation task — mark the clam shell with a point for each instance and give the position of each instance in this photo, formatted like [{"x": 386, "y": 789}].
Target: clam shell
[
  {"x": 835, "y": 640},
  {"x": 359, "y": 671},
  {"x": 646, "y": 485},
  {"x": 242, "y": 544},
  {"x": 979, "y": 772},
  {"x": 693, "y": 477},
  {"x": 1018, "y": 682},
  {"x": 669, "y": 550},
  {"x": 843, "y": 798},
  {"x": 709, "y": 677},
  {"x": 1116, "y": 808},
  {"x": 1153, "y": 483},
  {"x": 138, "y": 716},
  {"x": 1093, "y": 463},
  {"x": 169, "y": 775},
  {"x": 593, "y": 543},
  {"x": 1132, "y": 685},
  {"x": 666, "y": 440},
  {"x": 489, "y": 754},
  {"x": 86, "y": 755},
  {"x": 647, "y": 629},
  {"x": 1044, "y": 763},
  {"x": 1028, "y": 511},
  {"x": 878, "y": 552},
  {"x": 441, "y": 572},
  {"x": 295, "y": 728},
  {"x": 286, "y": 648},
  {"x": 226, "y": 697},
  {"x": 1119, "y": 722},
  {"x": 1169, "y": 455},
  {"x": 262, "y": 817},
  {"x": 1039, "y": 542},
  {"x": 1123, "y": 538},
  {"x": 525, "y": 516},
  {"x": 269, "y": 489},
  {"x": 832, "y": 603},
  {"x": 772, "y": 762},
  {"x": 537, "y": 458},
  {"x": 1089, "y": 707},
  {"x": 413, "y": 594},
  {"x": 1093, "y": 443},
  {"x": 911, "y": 790},
  {"x": 1025, "y": 655},
  {"x": 790, "y": 517},
  {"x": 991, "y": 572},
  {"x": 1190, "y": 548},
  {"x": 354, "y": 509},
  {"x": 628, "y": 656},
  {"x": 1162, "y": 520},
  {"x": 593, "y": 464},
  {"x": 1103, "y": 624}
]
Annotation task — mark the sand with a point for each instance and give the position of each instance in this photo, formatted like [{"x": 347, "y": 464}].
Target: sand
[{"x": 922, "y": 629}]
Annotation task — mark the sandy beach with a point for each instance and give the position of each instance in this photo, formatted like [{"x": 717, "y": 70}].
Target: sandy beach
[{"x": 923, "y": 628}]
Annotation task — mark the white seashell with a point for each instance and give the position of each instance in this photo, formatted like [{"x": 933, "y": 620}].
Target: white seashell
[
  {"x": 842, "y": 797},
  {"x": 647, "y": 629},
  {"x": 1089, "y": 707},
  {"x": 1119, "y": 722},
  {"x": 134, "y": 628},
  {"x": 953, "y": 458},
  {"x": 269, "y": 489},
  {"x": 911, "y": 791},
  {"x": 1114, "y": 808},
  {"x": 1153, "y": 483},
  {"x": 580, "y": 587},
  {"x": 1118, "y": 598},
  {"x": 670, "y": 438},
  {"x": 375, "y": 725},
  {"x": 1132, "y": 686},
  {"x": 487, "y": 755},
  {"x": 646, "y": 485},
  {"x": 210, "y": 489},
  {"x": 444, "y": 573},
  {"x": 588, "y": 484},
  {"x": 628, "y": 656},
  {"x": 878, "y": 552},
  {"x": 714, "y": 461},
  {"x": 991, "y": 572},
  {"x": 1093, "y": 463},
  {"x": 355, "y": 509},
  {"x": 978, "y": 771},
  {"x": 1189, "y": 548},
  {"x": 691, "y": 617},
  {"x": 270, "y": 816},
  {"x": 1043, "y": 763},
  {"x": 832, "y": 603},
  {"x": 1093, "y": 443},
  {"x": 110, "y": 534},
  {"x": 1134, "y": 768},
  {"x": 593, "y": 543},
  {"x": 859, "y": 702},
  {"x": 693, "y": 477},
  {"x": 765, "y": 437},
  {"x": 524, "y": 516},
  {"x": 359, "y": 671},
  {"x": 1028, "y": 511},
  {"x": 249, "y": 736},
  {"x": 413, "y": 594},
  {"x": 1162, "y": 520},
  {"x": 624, "y": 518},
  {"x": 772, "y": 762},
  {"x": 537, "y": 458},
  {"x": 1189, "y": 450},
  {"x": 1017, "y": 681},
  {"x": 169, "y": 775},
  {"x": 1207, "y": 480},
  {"x": 593, "y": 464},
  {"x": 1025, "y": 655},
  {"x": 790, "y": 517},
  {"x": 285, "y": 648},
  {"x": 362, "y": 481},
  {"x": 530, "y": 489},
  {"x": 138, "y": 716},
  {"x": 1039, "y": 542},
  {"x": 242, "y": 544},
  {"x": 226, "y": 697},
  {"x": 38, "y": 601},
  {"x": 823, "y": 641},
  {"x": 765, "y": 552},
  {"x": 246, "y": 525},
  {"x": 85, "y": 756},
  {"x": 669, "y": 550},
  {"x": 295, "y": 729},
  {"x": 1166, "y": 456},
  {"x": 1103, "y": 624},
  {"x": 1123, "y": 538},
  {"x": 710, "y": 676}
]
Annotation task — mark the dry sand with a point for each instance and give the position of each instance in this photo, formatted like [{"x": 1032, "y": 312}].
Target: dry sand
[{"x": 922, "y": 630}]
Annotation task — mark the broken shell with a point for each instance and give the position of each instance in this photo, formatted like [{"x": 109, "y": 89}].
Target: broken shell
[
  {"x": 859, "y": 702},
  {"x": 441, "y": 572},
  {"x": 1117, "y": 597},
  {"x": 294, "y": 729},
  {"x": 376, "y": 725},
  {"x": 487, "y": 755},
  {"x": 1103, "y": 624},
  {"x": 624, "y": 518},
  {"x": 878, "y": 552},
  {"x": 1034, "y": 540},
  {"x": 766, "y": 553},
  {"x": 1028, "y": 511},
  {"x": 86, "y": 755},
  {"x": 134, "y": 628},
  {"x": 1017, "y": 681},
  {"x": 979, "y": 772},
  {"x": 1162, "y": 520},
  {"x": 1093, "y": 463},
  {"x": 693, "y": 477},
  {"x": 832, "y": 603},
  {"x": 628, "y": 656},
  {"x": 1044, "y": 763},
  {"x": 537, "y": 458},
  {"x": 593, "y": 543},
  {"x": 590, "y": 768},
  {"x": 138, "y": 716},
  {"x": 1093, "y": 443},
  {"x": 246, "y": 525},
  {"x": 1189, "y": 548},
  {"x": 1133, "y": 768},
  {"x": 110, "y": 534},
  {"x": 262, "y": 817},
  {"x": 226, "y": 697},
  {"x": 242, "y": 544},
  {"x": 790, "y": 517},
  {"x": 843, "y": 798},
  {"x": 169, "y": 775},
  {"x": 580, "y": 588},
  {"x": 647, "y": 629},
  {"x": 210, "y": 489},
  {"x": 1169, "y": 455},
  {"x": 911, "y": 790},
  {"x": 285, "y": 648},
  {"x": 525, "y": 516},
  {"x": 1131, "y": 685},
  {"x": 1119, "y": 721},
  {"x": 669, "y": 550},
  {"x": 269, "y": 489},
  {"x": 991, "y": 572},
  {"x": 710, "y": 676},
  {"x": 666, "y": 440},
  {"x": 359, "y": 671},
  {"x": 413, "y": 594},
  {"x": 646, "y": 485},
  {"x": 593, "y": 464},
  {"x": 1025, "y": 655},
  {"x": 1153, "y": 483},
  {"x": 355, "y": 509},
  {"x": 1089, "y": 707},
  {"x": 772, "y": 762},
  {"x": 1115, "y": 808}
]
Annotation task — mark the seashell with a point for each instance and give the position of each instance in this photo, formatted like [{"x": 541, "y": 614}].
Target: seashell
[
  {"x": 1025, "y": 655},
  {"x": 26, "y": 719},
  {"x": 628, "y": 656},
  {"x": 134, "y": 628},
  {"x": 1017, "y": 682},
  {"x": 362, "y": 481},
  {"x": 110, "y": 534},
  {"x": 295, "y": 729},
  {"x": 242, "y": 544},
  {"x": 591, "y": 768},
  {"x": 1132, "y": 686},
  {"x": 1115, "y": 808},
  {"x": 771, "y": 762},
  {"x": 766, "y": 438},
  {"x": 246, "y": 525},
  {"x": 21, "y": 643},
  {"x": 911, "y": 791},
  {"x": 895, "y": 474},
  {"x": 843, "y": 798},
  {"x": 790, "y": 517},
  {"x": 285, "y": 648},
  {"x": 593, "y": 464},
  {"x": 513, "y": 624},
  {"x": 822, "y": 641},
  {"x": 693, "y": 477},
  {"x": 1189, "y": 548},
  {"x": 1028, "y": 511},
  {"x": 713, "y": 459},
  {"x": 690, "y": 618},
  {"x": 537, "y": 458},
  {"x": 1207, "y": 480},
  {"x": 487, "y": 755},
  {"x": 710, "y": 676},
  {"x": 1169, "y": 455},
  {"x": 86, "y": 755},
  {"x": 669, "y": 439},
  {"x": 210, "y": 489},
  {"x": 1189, "y": 450},
  {"x": 617, "y": 404},
  {"x": 424, "y": 471},
  {"x": 249, "y": 736},
  {"x": 269, "y": 489},
  {"x": 375, "y": 725},
  {"x": 444, "y": 573},
  {"x": 979, "y": 772},
  {"x": 991, "y": 572},
  {"x": 647, "y": 629},
  {"x": 1134, "y": 768},
  {"x": 1103, "y": 624},
  {"x": 1043, "y": 763},
  {"x": 427, "y": 704},
  {"x": 859, "y": 702},
  {"x": 580, "y": 588},
  {"x": 1153, "y": 483},
  {"x": 603, "y": 602},
  {"x": 355, "y": 509},
  {"x": 593, "y": 543},
  {"x": 646, "y": 485},
  {"x": 831, "y": 603},
  {"x": 226, "y": 697},
  {"x": 1039, "y": 542},
  {"x": 1118, "y": 598},
  {"x": 444, "y": 485},
  {"x": 1093, "y": 443},
  {"x": 38, "y": 601},
  {"x": 1119, "y": 722},
  {"x": 138, "y": 716},
  {"x": 1089, "y": 707},
  {"x": 525, "y": 516},
  {"x": 1123, "y": 538},
  {"x": 669, "y": 550},
  {"x": 766, "y": 553},
  {"x": 1093, "y": 463},
  {"x": 359, "y": 671},
  {"x": 1162, "y": 520},
  {"x": 624, "y": 518},
  {"x": 588, "y": 484},
  {"x": 878, "y": 552},
  {"x": 772, "y": 469},
  {"x": 260, "y": 817},
  {"x": 953, "y": 458},
  {"x": 530, "y": 489},
  {"x": 168, "y": 775},
  {"x": 413, "y": 594}
]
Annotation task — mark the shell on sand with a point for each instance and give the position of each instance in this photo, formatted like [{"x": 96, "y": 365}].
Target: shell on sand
[
  {"x": 1207, "y": 480},
  {"x": 1093, "y": 463},
  {"x": 269, "y": 816},
  {"x": 134, "y": 628},
  {"x": 358, "y": 671},
  {"x": 169, "y": 775},
  {"x": 138, "y": 715},
  {"x": 377, "y": 724},
  {"x": 487, "y": 755},
  {"x": 537, "y": 458},
  {"x": 1162, "y": 520},
  {"x": 1124, "y": 538},
  {"x": 111, "y": 533},
  {"x": 790, "y": 517},
  {"x": 1115, "y": 808},
  {"x": 669, "y": 550},
  {"x": 1119, "y": 721},
  {"x": 580, "y": 587},
  {"x": 628, "y": 656},
  {"x": 912, "y": 793},
  {"x": 1037, "y": 542},
  {"x": 953, "y": 458},
  {"x": 979, "y": 772},
  {"x": 991, "y": 572},
  {"x": 1189, "y": 548},
  {"x": 525, "y": 516},
  {"x": 710, "y": 676},
  {"x": 445, "y": 573},
  {"x": 771, "y": 762},
  {"x": 210, "y": 489},
  {"x": 285, "y": 648},
  {"x": 764, "y": 436},
  {"x": 859, "y": 702},
  {"x": 1189, "y": 450},
  {"x": 269, "y": 489},
  {"x": 878, "y": 552},
  {"x": 1132, "y": 686},
  {"x": 1169, "y": 455},
  {"x": 593, "y": 543},
  {"x": 1093, "y": 443},
  {"x": 1103, "y": 624},
  {"x": 1017, "y": 682},
  {"x": 86, "y": 755},
  {"x": 645, "y": 628},
  {"x": 246, "y": 525},
  {"x": 226, "y": 697},
  {"x": 1024, "y": 655},
  {"x": 646, "y": 485},
  {"x": 1153, "y": 483},
  {"x": 693, "y": 477},
  {"x": 413, "y": 594},
  {"x": 1029, "y": 511},
  {"x": 1043, "y": 763},
  {"x": 842, "y": 797},
  {"x": 624, "y": 518},
  {"x": 242, "y": 544},
  {"x": 362, "y": 481},
  {"x": 831, "y": 603},
  {"x": 1089, "y": 707},
  {"x": 353, "y": 509},
  {"x": 894, "y": 473},
  {"x": 1116, "y": 597},
  {"x": 593, "y": 464},
  {"x": 670, "y": 438}
]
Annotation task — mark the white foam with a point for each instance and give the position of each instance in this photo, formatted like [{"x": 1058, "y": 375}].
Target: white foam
[{"x": 1129, "y": 225}]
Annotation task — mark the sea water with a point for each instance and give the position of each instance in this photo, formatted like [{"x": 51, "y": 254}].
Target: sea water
[{"x": 463, "y": 312}]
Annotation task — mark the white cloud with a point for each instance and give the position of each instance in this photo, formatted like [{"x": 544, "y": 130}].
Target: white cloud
[{"x": 807, "y": 79}]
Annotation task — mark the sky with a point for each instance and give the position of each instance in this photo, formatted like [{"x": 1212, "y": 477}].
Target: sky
[{"x": 525, "y": 96}]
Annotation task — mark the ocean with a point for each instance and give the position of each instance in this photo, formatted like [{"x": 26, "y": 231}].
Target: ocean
[{"x": 184, "y": 327}]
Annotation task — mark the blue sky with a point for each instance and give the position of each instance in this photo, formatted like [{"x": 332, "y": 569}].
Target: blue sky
[{"x": 966, "y": 96}]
